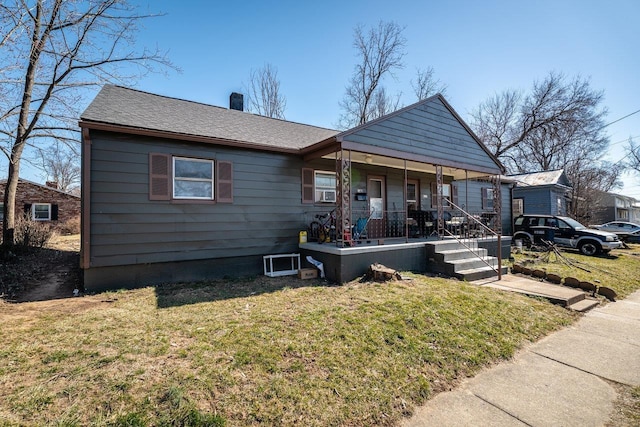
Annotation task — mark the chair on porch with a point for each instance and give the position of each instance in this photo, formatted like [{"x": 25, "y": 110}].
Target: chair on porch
[{"x": 360, "y": 229}]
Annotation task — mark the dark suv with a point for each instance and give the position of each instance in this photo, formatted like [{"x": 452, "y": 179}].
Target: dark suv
[{"x": 564, "y": 231}]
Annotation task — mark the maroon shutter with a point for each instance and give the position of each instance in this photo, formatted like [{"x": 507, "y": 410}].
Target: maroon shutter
[
  {"x": 307, "y": 185},
  {"x": 159, "y": 176},
  {"x": 224, "y": 182}
]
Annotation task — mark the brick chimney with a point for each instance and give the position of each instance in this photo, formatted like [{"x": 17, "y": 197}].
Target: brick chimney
[
  {"x": 52, "y": 184},
  {"x": 236, "y": 101}
]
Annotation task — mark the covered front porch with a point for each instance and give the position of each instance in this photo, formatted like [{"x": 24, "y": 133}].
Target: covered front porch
[{"x": 397, "y": 181}]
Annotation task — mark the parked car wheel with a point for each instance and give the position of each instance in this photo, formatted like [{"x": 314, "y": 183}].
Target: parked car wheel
[
  {"x": 589, "y": 248},
  {"x": 526, "y": 241}
]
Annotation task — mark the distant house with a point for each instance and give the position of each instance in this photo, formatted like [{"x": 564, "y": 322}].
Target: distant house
[
  {"x": 175, "y": 190},
  {"x": 43, "y": 202},
  {"x": 615, "y": 207},
  {"x": 541, "y": 193}
]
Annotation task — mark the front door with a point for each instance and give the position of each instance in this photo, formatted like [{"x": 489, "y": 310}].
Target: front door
[{"x": 376, "y": 186}]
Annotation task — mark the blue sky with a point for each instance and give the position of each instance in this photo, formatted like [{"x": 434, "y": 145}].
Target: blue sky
[{"x": 477, "y": 48}]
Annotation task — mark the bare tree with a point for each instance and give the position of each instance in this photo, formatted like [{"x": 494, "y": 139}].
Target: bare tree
[
  {"x": 383, "y": 104},
  {"x": 61, "y": 165},
  {"x": 496, "y": 122},
  {"x": 559, "y": 124},
  {"x": 426, "y": 84},
  {"x": 632, "y": 158},
  {"x": 380, "y": 52},
  {"x": 52, "y": 52},
  {"x": 589, "y": 180},
  {"x": 557, "y": 108},
  {"x": 263, "y": 92}
]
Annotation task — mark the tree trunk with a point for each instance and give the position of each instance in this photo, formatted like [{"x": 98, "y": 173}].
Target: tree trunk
[
  {"x": 37, "y": 44},
  {"x": 10, "y": 192}
]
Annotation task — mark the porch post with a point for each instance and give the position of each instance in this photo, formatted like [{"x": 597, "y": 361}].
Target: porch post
[
  {"x": 466, "y": 201},
  {"x": 497, "y": 207},
  {"x": 466, "y": 190},
  {"x": 439, "y": 198},
  {"x": 343, "y": 199},
  {"x": 406, "y": 209}
]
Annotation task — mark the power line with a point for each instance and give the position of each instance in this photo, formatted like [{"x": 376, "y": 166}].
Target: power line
[
  {"x": 621, "y": 118},
  {"x": 624, "y": 140}
]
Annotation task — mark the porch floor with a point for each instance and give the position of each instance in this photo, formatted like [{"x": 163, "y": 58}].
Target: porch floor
[
  {"x": 369, "y": 245},
  {"x": 388, "y": 243}
]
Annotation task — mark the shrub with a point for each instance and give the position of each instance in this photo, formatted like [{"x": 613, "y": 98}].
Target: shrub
[
  {"x": 71, "y": 226},
  {"x": 29, "y": 233}
]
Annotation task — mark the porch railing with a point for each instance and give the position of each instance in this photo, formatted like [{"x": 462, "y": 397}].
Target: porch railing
[
  {"x": 469, "y": 229},
  {"x": 422, "y": 223}
]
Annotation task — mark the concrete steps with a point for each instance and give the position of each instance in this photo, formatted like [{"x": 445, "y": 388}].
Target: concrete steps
[
  {"x": 463, "y": 259},
  {"x": 478, "y": 273},
  {"x": 584, "y": 305},
  {"x": 571, "y": 298}
]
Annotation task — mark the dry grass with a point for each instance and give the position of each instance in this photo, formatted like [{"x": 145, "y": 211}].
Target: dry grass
[
  {"x": 64, "y": 242},
  {"x": 265, "y": 351},
  {"x": 620, "y": 270}
]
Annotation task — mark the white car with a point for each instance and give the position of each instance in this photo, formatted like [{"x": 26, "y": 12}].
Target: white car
[{"x": 619, "y": 227}]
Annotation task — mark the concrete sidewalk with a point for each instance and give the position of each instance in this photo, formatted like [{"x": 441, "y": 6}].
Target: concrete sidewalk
[{"x": 562, "y": 380}]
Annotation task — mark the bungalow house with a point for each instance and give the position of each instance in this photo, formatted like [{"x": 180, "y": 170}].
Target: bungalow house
[
  {"x": 175, "y": 190},
  {"x": 546, "y": 192},
  {"x": 44, "y": 203}
]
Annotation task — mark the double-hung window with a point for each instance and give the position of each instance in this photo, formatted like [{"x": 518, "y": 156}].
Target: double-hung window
[
  {"x": 182, "y": 179},
  {"x": 318, "y": 186},
  {"x": 325, "y": 186},
  {"x": 487, "y": 198},
  {"x": 193, "y": 178},
  {"x": 41, "y": 211}
]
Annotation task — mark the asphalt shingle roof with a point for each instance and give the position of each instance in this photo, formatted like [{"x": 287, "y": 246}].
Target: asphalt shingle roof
[{"x": 122, "y": 106}]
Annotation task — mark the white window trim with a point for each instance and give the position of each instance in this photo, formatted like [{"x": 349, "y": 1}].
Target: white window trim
[
  {"x": 317, "y": 189},
  {"x": 212, "y": 180},
  {"x": 33, "y": 211}
]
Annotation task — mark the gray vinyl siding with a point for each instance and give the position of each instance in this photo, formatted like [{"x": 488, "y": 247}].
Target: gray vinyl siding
[
  {"x": 127, "y": 228},
  {"x": 541, "y": 200},
  {"x": 430, "y": 130},
  {"x": 470, "y": 199}
]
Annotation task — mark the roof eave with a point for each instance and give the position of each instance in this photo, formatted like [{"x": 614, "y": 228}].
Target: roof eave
[{"x": 110, "y": 127}]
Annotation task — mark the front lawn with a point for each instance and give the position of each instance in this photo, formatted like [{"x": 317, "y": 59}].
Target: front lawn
[
  {"x": 266, "y": 351},
  {"x": 619, "y": 270}
]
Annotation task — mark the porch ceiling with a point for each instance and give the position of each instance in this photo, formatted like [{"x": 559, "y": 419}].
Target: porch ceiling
[{"x": 395, "y": 163}]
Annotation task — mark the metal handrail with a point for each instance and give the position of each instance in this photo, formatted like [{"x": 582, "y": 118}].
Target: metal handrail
[{"x": 488, "y": 229}]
